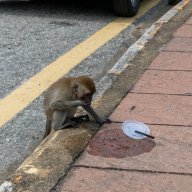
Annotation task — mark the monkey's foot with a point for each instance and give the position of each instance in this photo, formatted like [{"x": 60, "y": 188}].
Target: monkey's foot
[{"x": 80, "y": 119}]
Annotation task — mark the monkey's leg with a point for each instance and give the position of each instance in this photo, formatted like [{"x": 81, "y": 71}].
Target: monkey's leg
[
  {"x": 59, "y": 118},
  {"x": 68, "y": 124},
  {"x": 73, "y": 121},
  {"x": 80, "y": 119},
  {"x": 47, "y": 128}
]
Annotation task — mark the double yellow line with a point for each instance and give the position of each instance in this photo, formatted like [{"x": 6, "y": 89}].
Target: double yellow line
[{"x": 17, "y": 100}]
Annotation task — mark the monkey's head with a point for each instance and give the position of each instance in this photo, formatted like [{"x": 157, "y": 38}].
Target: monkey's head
[{"x": 83, "y": 88}]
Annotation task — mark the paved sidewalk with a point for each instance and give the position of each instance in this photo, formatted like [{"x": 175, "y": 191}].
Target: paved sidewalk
[{"x": 162, "y": 98}]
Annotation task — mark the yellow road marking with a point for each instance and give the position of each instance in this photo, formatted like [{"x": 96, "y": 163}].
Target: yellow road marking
[{"x": 17, "y": 100}]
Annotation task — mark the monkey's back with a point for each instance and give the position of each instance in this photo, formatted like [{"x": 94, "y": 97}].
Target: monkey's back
[{"x": 58, "y": 91}]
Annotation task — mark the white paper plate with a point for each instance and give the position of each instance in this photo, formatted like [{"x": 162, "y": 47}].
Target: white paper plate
[{"x": 130, "y": 126}]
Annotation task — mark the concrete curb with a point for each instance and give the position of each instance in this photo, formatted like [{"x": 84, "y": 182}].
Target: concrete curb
[
  {"x": 52, "y": 159},
  {"x": 42, "y": 170},
  {"x": 135, "y": 48}
]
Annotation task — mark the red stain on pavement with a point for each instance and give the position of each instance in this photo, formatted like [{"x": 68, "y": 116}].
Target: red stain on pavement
[{"x": 114, "y": 143}]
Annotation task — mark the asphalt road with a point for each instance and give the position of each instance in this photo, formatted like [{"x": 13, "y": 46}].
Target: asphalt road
[{"x": 34, "y": 34}]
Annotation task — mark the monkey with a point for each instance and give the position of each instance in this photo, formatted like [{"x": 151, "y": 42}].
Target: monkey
[{"x": 62, "y": 99}]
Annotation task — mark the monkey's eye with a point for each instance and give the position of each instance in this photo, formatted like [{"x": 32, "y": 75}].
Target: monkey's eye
[{"x": 75, "y": 88}]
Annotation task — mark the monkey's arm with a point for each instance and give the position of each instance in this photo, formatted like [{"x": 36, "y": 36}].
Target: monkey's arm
[
  {"x": 47, "y": 128},
  {"x": 63, "y": 105},
  {"x": 90, "y": 110}
]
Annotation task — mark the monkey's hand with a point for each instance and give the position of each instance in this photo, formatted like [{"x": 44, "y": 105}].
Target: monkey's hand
[
  {"x": 86, "y": 103},
  {"x": 78, "y": 103},
  {"x": 98, "y": 119}
]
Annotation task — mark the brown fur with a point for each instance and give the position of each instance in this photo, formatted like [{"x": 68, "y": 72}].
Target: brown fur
[{"x": 62, "y": 99}]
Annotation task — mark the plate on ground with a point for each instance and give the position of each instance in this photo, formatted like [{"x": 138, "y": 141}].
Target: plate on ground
[{"x": 130, "y": 126}]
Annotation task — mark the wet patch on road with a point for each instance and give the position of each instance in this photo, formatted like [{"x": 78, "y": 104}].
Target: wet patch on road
[{"x": 114, "y": 143}]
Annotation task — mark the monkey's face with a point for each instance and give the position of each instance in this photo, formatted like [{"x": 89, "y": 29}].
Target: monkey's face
[
  {"x": 82, "y": 93},
  {"x": 83, "y": 89},
  {"x": 87, "y": 98}
]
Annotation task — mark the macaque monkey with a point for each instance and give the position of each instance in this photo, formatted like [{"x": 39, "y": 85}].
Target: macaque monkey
[{"x": 62, "y": 99}]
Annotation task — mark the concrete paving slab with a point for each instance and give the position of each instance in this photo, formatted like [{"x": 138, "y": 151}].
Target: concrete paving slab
[
  {"x": 179, "y": 44},
  {"x": 172, "y": 61},
  {"x": 189, "y": 21},
  {"x": 184, "y": 31},
  {"x": 165, "y": 82},
  {"x": 171, "y": 151},
  {"x": 94, "y": 180},
  {"x": 155, "y": 109}
]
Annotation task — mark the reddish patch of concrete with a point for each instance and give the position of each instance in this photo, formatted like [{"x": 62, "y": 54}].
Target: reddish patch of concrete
[
  {"x": 94, "y": 180},
  {"x": 165, "y": 82},
  {"x": 179, "y": 44},
  {"x": 155, "y": 109},
  {"x": 172, "y": 61},
  {"x": 172, "y": 152},
  {"x": 114, "y": 143},
  {"x": 184, "y": 31},
  {"x": 189, "y": 21}
]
